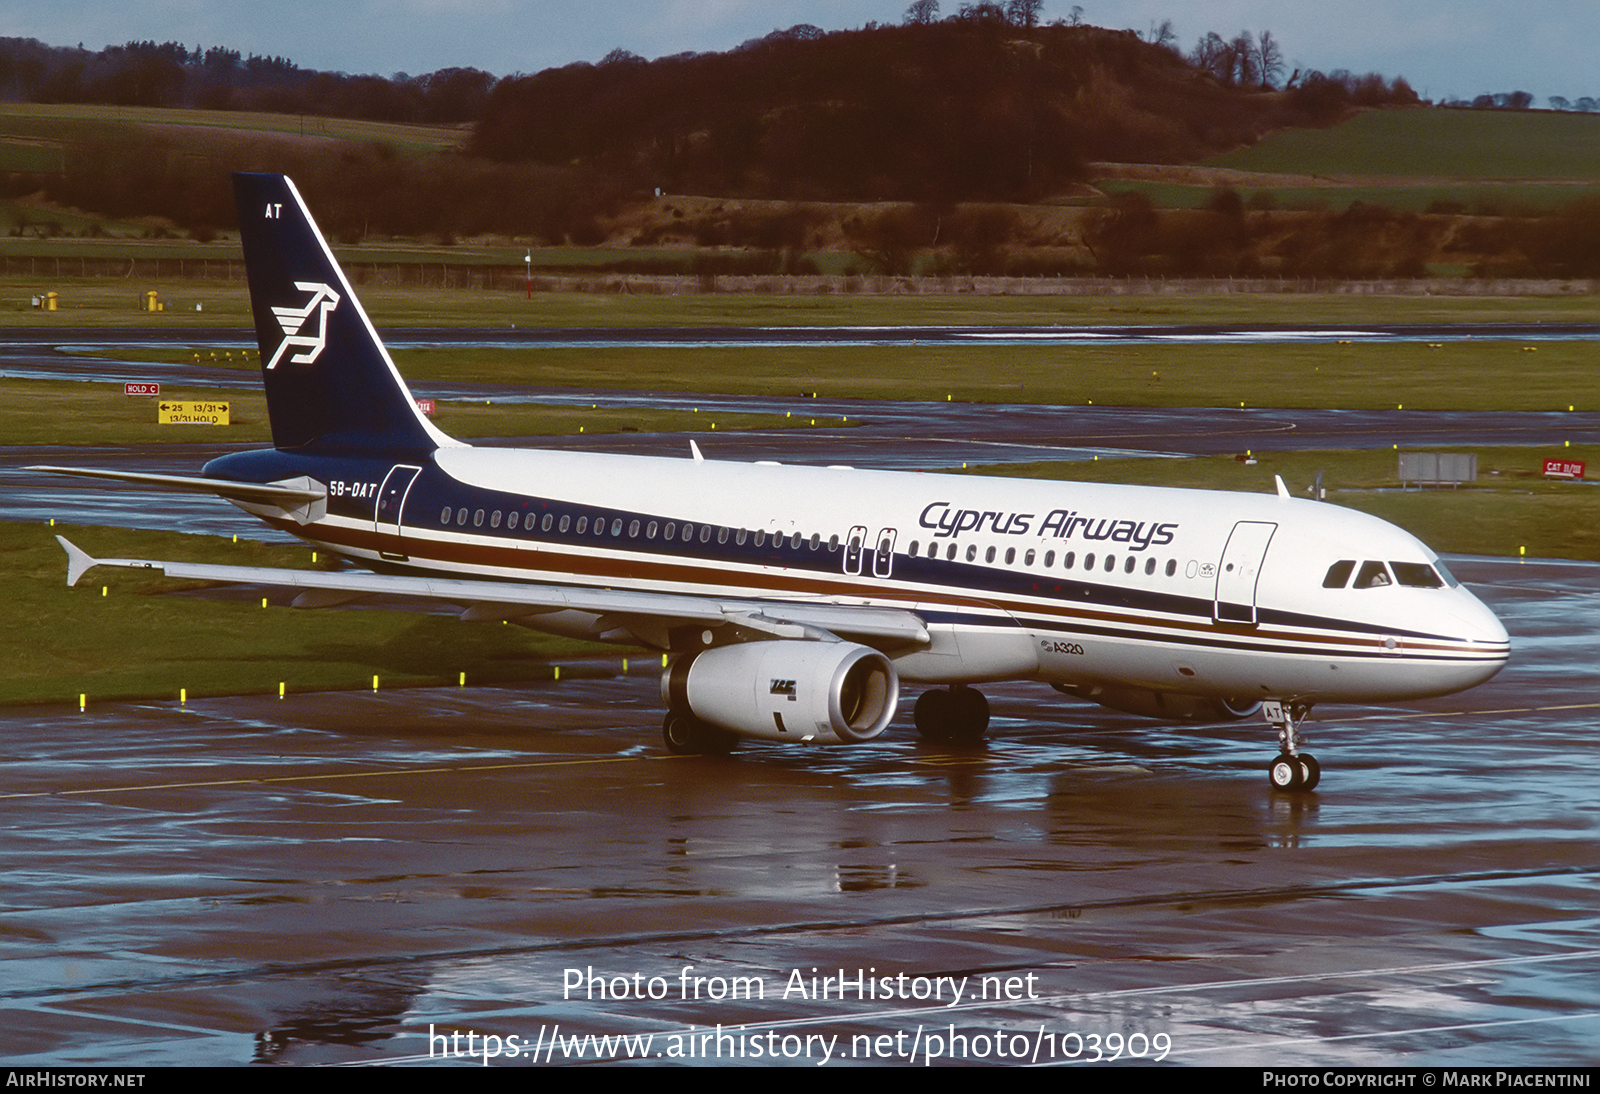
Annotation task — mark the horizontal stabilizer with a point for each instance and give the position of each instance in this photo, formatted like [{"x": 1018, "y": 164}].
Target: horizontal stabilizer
[{"x": 270, "y": 493}]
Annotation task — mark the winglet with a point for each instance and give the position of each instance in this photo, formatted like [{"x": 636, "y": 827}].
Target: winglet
[
  {"x": 1283, "y": 491},
  {"x": 78, "y": 562},
  {"x": 694, "y": 449}
]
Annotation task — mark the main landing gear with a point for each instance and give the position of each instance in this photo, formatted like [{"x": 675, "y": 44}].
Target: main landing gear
[
  {"x": 1293, "y": 769},
  {"x": 686, "y": 735},
  {"x": 956, "y": 715}
]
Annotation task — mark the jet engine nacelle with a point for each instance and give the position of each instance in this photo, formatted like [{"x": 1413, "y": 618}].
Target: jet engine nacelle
[
  {"x": 1171, "y": 705},
  {"x": 828, "y": 692}
]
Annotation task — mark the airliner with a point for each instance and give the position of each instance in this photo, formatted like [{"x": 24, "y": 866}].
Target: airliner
[{"x": 792, "y": 602}]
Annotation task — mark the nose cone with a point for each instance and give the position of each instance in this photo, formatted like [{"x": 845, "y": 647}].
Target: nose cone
[{"x": 1489, "y": 646}]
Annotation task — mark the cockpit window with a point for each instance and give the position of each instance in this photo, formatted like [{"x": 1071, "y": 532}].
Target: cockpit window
[
  {"x": 1339, "y": 574},
  {"x": 1416, "y": 575},
  {"x": 1372, "y": 576},
  {"x": 1450, "y": 579}
]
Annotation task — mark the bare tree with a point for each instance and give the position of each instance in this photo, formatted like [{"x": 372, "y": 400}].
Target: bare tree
[
  {"x": 1211, "y": 55},
  {"x": 1162, "y": 34},
  {"x": 922, "y": 12},
  {"x": 1269, "y": 59},
  {"x": 1242, "y": 52},
  {"x": 1024, "y": 13},
  {"x": 1075, "y": 16}
]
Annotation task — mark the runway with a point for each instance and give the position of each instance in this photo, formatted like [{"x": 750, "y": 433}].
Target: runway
[{"x": 327, "y": 879}]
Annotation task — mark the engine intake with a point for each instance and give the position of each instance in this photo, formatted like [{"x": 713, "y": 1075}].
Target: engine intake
[{"x": 828, "y": 692}]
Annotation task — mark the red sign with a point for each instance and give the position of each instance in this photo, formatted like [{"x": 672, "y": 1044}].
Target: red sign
[
  {"x": 1563, "y": 469},
  {"x": 141, "y": 389},
  {"x": 426, "y": 406}
]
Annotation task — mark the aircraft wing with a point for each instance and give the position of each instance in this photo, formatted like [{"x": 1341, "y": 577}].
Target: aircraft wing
[{"x": 619, "y": 614}]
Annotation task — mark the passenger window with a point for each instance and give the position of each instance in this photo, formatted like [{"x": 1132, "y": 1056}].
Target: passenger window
[
  {"x": 477, "y": 519},
  {"x": 650, "y": 530},
  {"x": 1128, "y": 567},
  {"x": 1027, "y": 559},
  {"x": 933, "y": 549},
  {"x": 544, "y": 525},
  {"x": 616, "y": 526},
  {"x": 972, "y": 551},
  {"x": 1372, "y": 576},
  {"x": 1111, "y": 563},
  {"x": 816, "y": 540},
  {"x": 1339, "y": 574},
  {"x": 914, "y": 546},
  {"x": 672, "y": 529},
  {"x": 1415, "y": 575},
  {"x": 722, "y": 534},
  {"x": 494, "y": 519},
  {"x": 833, "y": 543},
  {"x": 988, "y": 556},
  {"x": 739, "y": 537},
  {"x": 566, "y": 522},
  {"x": 461, "y": 516},
  {"x": 688, "y": 532},
  {"x": 761, "y": 536},
  {"x": 633, "y": 529},
  {"x": 705, "y": 533},
  {"x": 1088, "y": 560},
  {"x": 1070, "y": 557},
  {"x": 1149, "y": 566},
  {"x": 1172, "y": 566},
  {"x": 583, "y": 525},
  {"x": 1049, "y": 559},
  {"x": 444, "y": 517},
  {"x": 513, "y": 520},
  {"x": 1011, "y": 555}
]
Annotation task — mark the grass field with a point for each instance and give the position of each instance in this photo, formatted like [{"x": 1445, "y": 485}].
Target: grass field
[
  {"x": 221, "y": 646},
  {"x": 103, "y": 302},
  {"x": 64, "y": 122},
  {"x": 1436, "y": 144},
  {"x": 1488, "y": 162},
  {"x": 46, "y": 411},
  {"x": 1461, "y": 376},
  {"x": 1483, "y": 198}
]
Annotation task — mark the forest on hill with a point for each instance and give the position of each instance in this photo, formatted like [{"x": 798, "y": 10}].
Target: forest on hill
[
  {"x": 963, "y": 145},
  {"x": 972, "y": 108}
]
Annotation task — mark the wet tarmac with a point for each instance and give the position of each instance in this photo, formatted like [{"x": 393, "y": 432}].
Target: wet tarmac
[{"x": 328, "y": 878}]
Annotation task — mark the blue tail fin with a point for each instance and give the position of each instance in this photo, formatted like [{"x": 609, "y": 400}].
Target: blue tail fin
[{"x": 330, "y": 382}]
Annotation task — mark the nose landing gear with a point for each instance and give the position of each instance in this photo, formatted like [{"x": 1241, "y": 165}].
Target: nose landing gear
[{"x": 1292, "y": 769}]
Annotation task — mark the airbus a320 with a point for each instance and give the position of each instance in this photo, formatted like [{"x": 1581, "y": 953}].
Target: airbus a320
[{"x": 793, "y": 602}]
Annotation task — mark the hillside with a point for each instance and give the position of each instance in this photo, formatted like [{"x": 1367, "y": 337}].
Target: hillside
[{"x": 960, "y": 110}]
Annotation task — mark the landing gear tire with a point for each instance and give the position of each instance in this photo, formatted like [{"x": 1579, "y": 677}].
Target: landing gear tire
[
  {"x": 934, "y": 715},
  {"x": 686, "y": 735},
  {"x": 957, "y": 715},
  {"x": 972, "y": 716},
  {"x": 1310, "y": 771},
  {"x": 1285, "y": 773}
]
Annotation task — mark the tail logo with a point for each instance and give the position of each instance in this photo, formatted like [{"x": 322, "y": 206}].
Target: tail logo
[{"x": 294, "y": 322}]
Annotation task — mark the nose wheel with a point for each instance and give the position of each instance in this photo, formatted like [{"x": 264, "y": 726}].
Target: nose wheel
[{"x": 1292, "y": 769}]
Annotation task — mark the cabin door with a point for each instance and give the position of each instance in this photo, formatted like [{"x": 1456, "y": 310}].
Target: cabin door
[
  {"x": 392, "y": 500},
  {"x": 1239, "y": 571}
]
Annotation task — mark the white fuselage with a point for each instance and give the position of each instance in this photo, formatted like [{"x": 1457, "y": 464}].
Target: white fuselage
[{"x": 1078, "y": 584}]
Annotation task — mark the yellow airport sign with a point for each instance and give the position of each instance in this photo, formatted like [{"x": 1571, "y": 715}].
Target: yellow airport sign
[{"x": 191, "y": 412}]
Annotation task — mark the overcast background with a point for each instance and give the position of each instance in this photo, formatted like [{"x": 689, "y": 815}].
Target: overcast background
[{"x": 1445, "y": 48}]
